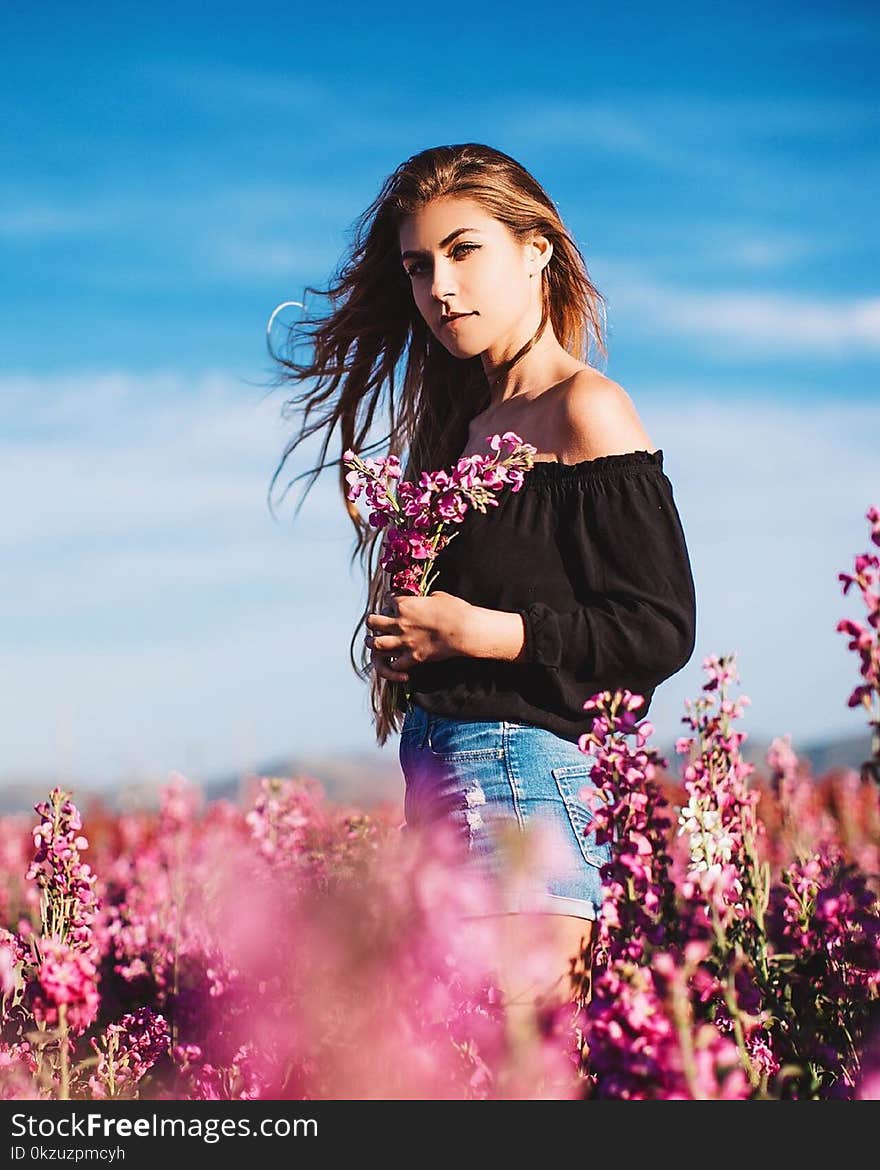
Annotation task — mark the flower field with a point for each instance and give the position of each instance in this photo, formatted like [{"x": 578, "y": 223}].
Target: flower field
[{"x": 289, "y": 948}]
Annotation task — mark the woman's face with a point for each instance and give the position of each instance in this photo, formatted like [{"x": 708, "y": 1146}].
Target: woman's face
[{"x": 481, "y": 271}]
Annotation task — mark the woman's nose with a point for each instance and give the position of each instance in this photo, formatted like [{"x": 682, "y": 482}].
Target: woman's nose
[{"x": 442, "y": 285}]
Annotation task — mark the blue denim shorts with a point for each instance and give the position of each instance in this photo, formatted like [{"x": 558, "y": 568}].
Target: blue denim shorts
[{"x": 475, "y": 775}]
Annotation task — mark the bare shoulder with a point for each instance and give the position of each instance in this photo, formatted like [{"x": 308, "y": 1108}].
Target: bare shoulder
[{"x": 598, "y": 418}]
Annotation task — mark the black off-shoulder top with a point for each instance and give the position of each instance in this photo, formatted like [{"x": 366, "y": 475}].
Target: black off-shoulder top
[{"x": 592, "y": 555}]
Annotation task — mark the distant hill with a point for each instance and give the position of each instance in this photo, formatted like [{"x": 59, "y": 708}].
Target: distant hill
[
  {"x": 360, "y": 778},
  {"x": 370, "y": 778}
]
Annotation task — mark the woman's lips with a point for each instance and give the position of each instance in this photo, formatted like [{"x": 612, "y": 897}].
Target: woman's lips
[{"x": 451, "y": 321}]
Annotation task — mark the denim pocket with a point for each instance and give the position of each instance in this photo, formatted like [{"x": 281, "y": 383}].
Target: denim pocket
[
  {"x": 570, "y": 779},
  {"x": 456, "y": 739}
]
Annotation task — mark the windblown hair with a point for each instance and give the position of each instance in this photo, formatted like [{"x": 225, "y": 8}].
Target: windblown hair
[{"x": 375, "y": 336}]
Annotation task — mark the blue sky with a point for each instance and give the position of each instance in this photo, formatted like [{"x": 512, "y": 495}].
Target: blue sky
[{"x": 171, "y": 173}]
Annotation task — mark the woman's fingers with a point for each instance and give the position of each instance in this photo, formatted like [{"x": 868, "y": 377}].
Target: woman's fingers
[
  {"x": 385, "y": 643},
  {"x": 381, "y": 658},
  {"x": 381, "y": 664}
]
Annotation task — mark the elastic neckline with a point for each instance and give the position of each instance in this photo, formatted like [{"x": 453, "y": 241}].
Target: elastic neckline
[{"x": 547, "y": 470}]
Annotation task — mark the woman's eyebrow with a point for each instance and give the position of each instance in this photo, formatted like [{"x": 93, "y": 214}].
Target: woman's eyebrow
[{"x": 443, "y": 243}]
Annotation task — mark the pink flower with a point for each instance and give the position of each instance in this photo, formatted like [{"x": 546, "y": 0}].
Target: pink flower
[
  {"x": 126, "y": 1052},
  {"x": 66, "y": 977}
]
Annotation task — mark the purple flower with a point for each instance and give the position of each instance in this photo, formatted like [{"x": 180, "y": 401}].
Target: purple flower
[{"x": 415, "y": 517}]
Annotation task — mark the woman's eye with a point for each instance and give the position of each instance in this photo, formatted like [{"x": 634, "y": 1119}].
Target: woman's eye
[
  {"x": 413, "y": 270},
  {"x": 470, "y": 246}
]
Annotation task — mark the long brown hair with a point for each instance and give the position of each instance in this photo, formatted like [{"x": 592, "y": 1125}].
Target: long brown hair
[{"x": 375, "y": 335}]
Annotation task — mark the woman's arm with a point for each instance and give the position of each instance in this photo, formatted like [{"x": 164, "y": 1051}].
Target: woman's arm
[{"x": 493, "y": 633}]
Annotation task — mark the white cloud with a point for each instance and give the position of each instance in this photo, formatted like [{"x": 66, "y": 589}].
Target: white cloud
[
  {"x": 726, "y": 140},
  {"x": 746, "y": 324},
  {"x": 268, "y": 257},
  {"x": 750, "y": 250},
  {"x": 105, "y": 452},
  {"x": 40, "y": 220},
  {"x": 621, "y": 128},
  {"x": 858, "y": 28},
  {"x": 773, "y": 498},
  {"x": 230, "y": 87},
  {"x": 163, "y": 619}
]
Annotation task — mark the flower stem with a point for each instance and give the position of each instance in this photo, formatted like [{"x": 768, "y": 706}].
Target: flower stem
[{"x": 65, "y": 1069}]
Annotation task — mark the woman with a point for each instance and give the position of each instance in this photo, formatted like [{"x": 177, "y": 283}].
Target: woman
[{"x": 463, "y": 274}]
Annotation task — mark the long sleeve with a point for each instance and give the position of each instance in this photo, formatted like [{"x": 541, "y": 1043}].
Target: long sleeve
[{"x": 626, "y": 550}]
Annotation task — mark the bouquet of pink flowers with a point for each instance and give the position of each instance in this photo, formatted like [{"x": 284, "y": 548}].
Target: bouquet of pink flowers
[{"x": 418, "y": 517}]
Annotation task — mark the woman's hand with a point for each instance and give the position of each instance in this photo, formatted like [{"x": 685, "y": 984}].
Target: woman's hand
[
  {"x": 418, "y": 629},
  {"x": 381, "y": 660}
]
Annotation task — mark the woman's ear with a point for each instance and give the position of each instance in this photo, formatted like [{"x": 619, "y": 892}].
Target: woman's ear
[{"x": 540, "y": 249}]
